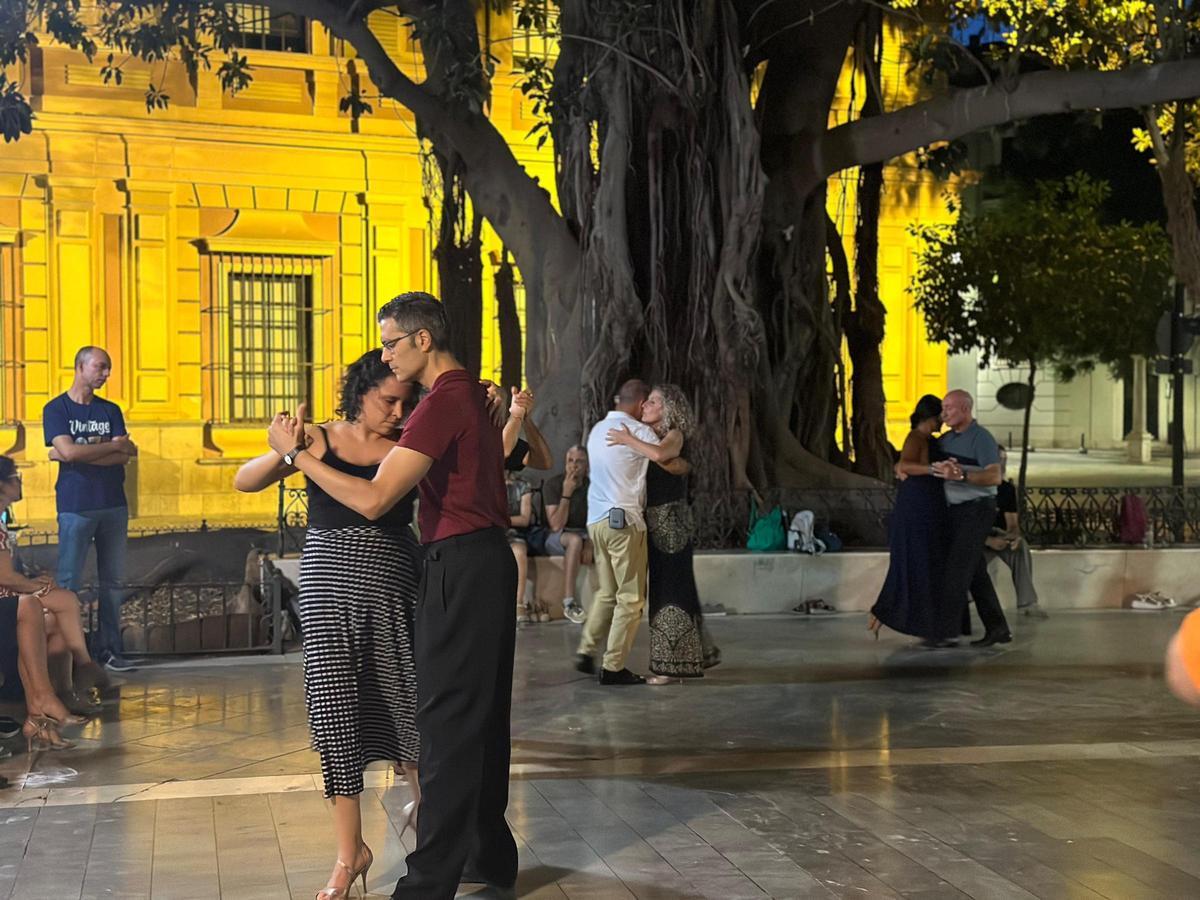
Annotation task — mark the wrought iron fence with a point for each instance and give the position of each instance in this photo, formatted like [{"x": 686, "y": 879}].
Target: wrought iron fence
[
  {"x": 197, "y": 617},
  {"x": 1052, "y": 516},
  {"x": 292, "y": 519}
]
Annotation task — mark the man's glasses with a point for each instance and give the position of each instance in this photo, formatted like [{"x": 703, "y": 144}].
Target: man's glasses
[{"x": 389, "y": 346}]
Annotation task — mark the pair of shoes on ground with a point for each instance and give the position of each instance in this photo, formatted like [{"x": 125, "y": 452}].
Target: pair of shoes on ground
[
  {"x": 587, "y": 665},
  {"x": 1151, "y": 600},
  {"x": 527, "y": 614},
  {"x": 814, "y": 607}
]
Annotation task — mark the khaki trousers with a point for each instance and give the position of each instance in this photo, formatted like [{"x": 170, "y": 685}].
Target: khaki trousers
[{"x": 620, "y": 560}]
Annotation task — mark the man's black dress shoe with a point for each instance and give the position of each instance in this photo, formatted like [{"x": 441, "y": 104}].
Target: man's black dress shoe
[
  {"x": 585, "y": 664},
  {"x": 622, "y": 677},
  {"x": 993, "y": 637}
]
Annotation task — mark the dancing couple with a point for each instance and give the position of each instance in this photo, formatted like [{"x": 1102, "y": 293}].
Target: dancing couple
[
  {"x": 634, "y": 546},
  {"x": 400, "y": 666},
  {"x": 945, "y": 510}
]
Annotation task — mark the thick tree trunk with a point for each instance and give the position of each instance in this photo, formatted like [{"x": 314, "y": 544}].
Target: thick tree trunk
[
  {"x": 460, "y": 267},
  {"x": 873, "y": 455},
  {"x": 510, "y": 324}
]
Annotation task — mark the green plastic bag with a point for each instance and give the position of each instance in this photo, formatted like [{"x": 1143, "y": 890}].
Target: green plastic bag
[{"x": 766, "y": 534}]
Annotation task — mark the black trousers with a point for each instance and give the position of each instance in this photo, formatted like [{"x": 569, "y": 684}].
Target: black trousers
[
  {"x": 465, "y": 633},
  {"x": 966, "y": 569}
]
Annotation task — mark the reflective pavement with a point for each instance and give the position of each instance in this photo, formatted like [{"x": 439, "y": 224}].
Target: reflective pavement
[{"x": 814, "y": 762}]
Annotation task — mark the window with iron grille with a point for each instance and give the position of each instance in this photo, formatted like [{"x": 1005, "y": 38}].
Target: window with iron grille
[
  {"x": 535, "y": 30},
  {"x": 261, "y": 29},
  {"x": 270, "y": 341},
  {"x": 266, "y": 335}
]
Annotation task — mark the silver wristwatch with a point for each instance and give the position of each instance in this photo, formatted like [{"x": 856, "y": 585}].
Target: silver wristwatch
[{"x": 289, "y": 458}]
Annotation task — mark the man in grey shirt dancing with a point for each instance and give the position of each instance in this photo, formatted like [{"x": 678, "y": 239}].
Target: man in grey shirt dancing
[{"x": 972, "y": 474}]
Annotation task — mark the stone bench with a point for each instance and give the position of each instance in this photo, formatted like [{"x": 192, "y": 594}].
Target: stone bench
[{"x": 747, "y": 583}]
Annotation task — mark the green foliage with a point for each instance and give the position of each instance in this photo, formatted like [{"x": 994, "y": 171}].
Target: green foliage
[
  {"x": 1041, "y": 280},
  {"x": 16, "y": 115}
]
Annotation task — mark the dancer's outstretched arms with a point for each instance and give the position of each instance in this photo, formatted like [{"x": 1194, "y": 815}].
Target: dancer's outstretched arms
[{"x": 398, "y": 474}]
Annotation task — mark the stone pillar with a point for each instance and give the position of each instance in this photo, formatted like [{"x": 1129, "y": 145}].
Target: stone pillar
[{"x": 1137, "y": 442}]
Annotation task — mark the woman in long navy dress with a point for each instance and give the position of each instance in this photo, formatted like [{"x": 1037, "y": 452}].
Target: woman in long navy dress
[{"x": 916, "y": 534}]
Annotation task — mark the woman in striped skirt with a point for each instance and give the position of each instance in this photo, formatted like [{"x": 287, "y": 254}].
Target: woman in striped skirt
[{"x": 358, "y": 587}]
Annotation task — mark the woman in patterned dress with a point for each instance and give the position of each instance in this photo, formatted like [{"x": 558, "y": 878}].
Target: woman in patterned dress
[
  {"x": 680, "y": 646},
  {"x": 358, "y": 585}
]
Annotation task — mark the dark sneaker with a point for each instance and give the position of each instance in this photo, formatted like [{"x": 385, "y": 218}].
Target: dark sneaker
[
  {"x": 585, "y": 664},
  {"x": 622, "y": 677},
  {"x": 9, "y": 727},
  {"x": 119, "y": 664}
]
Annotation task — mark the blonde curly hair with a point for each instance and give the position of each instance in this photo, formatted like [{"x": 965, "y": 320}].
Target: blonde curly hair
[{"x": 677, "y": 412}]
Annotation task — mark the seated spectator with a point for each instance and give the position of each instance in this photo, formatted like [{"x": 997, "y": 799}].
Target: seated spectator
[
  {"x": 23, "y": 637},
  {"x": 566, "y": 521},
  {"x": 1007, "y": 543},
  {"x": 521, "y": 514}
]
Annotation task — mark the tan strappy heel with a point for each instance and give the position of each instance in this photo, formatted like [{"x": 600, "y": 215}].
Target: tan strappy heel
[{"x": 336, "y": 893}]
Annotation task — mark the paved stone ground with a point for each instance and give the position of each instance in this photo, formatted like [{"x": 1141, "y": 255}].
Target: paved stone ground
[{"x": 814, "y": 762}]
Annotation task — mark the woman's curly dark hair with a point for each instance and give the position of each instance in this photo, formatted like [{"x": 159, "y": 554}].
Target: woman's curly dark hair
[{"x": 361, "y": 375}]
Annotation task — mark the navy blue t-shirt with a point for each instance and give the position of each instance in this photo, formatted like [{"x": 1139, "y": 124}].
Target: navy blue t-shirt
[{"x": 83, "y": 486}]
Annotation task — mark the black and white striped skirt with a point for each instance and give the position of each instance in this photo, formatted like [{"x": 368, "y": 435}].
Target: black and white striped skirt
[{"x": 358, "y": 594}]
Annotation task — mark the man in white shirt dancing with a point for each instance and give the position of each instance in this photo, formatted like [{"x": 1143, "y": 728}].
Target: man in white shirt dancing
[{"x": 617, "y": 530}]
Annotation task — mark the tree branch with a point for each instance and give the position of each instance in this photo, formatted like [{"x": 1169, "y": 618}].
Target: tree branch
[
  {"x": 516, "y": 206},
  {"x": 812, "y": 159}
]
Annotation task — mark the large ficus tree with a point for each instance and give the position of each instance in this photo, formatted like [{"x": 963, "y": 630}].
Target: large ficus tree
[{"x": 692, "y": 138}]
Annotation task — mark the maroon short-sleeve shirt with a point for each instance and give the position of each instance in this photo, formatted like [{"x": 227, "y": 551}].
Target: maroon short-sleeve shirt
[{"x": 464, "y": 488}]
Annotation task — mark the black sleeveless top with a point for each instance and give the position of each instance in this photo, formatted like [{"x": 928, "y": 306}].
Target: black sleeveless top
[
  {"x": 663, "y": 487},
  {"x": 325, "y": 512}
]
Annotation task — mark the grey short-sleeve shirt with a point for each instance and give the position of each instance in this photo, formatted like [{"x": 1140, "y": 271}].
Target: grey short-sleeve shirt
[{"x": 975, "y": 449}]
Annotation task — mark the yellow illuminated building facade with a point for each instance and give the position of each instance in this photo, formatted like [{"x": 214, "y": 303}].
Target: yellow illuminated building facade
[{"x": 230, "y": 253}]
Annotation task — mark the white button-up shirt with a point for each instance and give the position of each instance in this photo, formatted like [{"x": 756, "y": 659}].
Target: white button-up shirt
[{"x": 617, "y": 473}]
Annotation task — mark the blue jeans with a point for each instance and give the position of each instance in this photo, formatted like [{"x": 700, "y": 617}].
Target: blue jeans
[{"x": 109, "y": 528}]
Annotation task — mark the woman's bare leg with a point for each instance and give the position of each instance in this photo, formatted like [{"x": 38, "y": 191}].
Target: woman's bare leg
[
  {"x": 65, "y": 606},
  {"x": 40, "y": 699},
  {"x": 347, "y": 827}
]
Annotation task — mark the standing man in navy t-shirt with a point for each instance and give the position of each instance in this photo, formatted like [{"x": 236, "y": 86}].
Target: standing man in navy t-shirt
[
  {"x": 87, "y": 438},
  {"x": 465, "y": 629}
]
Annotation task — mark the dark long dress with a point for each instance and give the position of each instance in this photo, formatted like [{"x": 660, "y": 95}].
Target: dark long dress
[
  {"x": 677, "y": 638},
  {"x": 908, "y": 602}
]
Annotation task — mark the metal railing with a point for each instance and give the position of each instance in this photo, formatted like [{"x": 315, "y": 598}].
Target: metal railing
[
  {"x": 197, "y": 617},
  {"x": 291, "y": 519},
  {"x": 1052, "y": 517}
]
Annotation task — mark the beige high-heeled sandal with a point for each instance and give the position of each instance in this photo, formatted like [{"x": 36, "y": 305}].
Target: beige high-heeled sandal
[
  {"x": 337, "y": 893},
  {"x": 41, "y": 733}
]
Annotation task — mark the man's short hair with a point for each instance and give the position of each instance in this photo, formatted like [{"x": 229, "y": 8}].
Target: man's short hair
[
  {"x": 580, "y": 447},
  {"x": 965, "y": 396},
  {"x": 85, "y": 353},
  {"x": 632, "y": 391},
  {"x": 417, "y": 310}
]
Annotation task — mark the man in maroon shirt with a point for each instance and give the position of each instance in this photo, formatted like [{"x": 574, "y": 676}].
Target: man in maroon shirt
[{"x": 465, "y": 622}]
